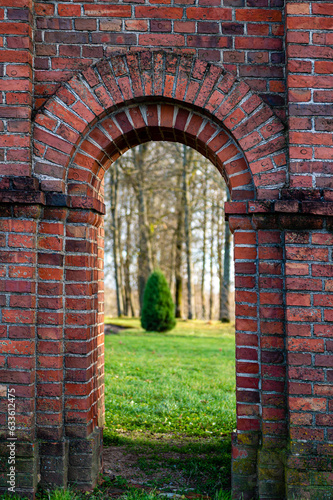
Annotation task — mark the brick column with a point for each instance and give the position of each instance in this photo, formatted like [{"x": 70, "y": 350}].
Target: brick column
[
  {"x": 70, "y": 343},
  {"x": 246, "y": 441},
  {"x": 51, "y": 336},
  {"x": 84, "y": 348},
  {"x": 273, "y": 359},
  {"x": 18, "y": 285},
  {"x": 259, "y": 449},
  {"x": 18, "y": 254},
  {"x": 309, "y": 302},
  {"x": 50, "y": 343}
]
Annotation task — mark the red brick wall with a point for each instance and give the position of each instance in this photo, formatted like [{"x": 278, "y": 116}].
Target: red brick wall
[
  {"x": 309, "y": 66},
  {"x": 16, "y": 73},
  {"x": 56, "y": 58},
  {"x": 247, "y": 39}
]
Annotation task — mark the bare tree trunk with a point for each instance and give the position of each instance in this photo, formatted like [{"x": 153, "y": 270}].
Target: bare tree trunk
[
  {"x": 178, "y": 264},
  {"x": 121, "y": 265},
  {"x": 150, "y": 209},
  {"x": 145, "y": 257},
  {"x": 219, "y": 237},
  {"x": 211, "y": 257},
  {"x": 172, "y": 264},
  {"x": 127, "y": 272},
  {"x": 225, "y": 306},
  {"x": 202, "y": 290},
  {"x": 114, "y": 232},
  {"x": 187, "y": 226}
]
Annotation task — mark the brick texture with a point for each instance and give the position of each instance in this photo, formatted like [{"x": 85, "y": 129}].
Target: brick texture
[
  {"x": 16, "y": 73},
  {"x": 310, "y": 84},
  {"x": 246, "y": 83},
  {"x": 246, "y": 37},
  {"x": 309, "y": 347}
]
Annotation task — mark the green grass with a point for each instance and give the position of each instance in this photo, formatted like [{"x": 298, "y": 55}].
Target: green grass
[
  {"x": 180, "y": 383},
  {"x": 173, "y": 393},
  {"x": 130, "y": 494}
]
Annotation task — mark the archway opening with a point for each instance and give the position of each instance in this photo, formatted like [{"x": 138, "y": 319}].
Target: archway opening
[{"x": 169, "y": 397}]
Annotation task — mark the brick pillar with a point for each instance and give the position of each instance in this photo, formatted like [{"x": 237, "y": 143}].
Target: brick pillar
[
  {"x": 259, "y": 448},
  {"x": 272, "y": 455},
  {"x": 50, "y": 353},
  {"x": 70, "y": 345},
  {"x": 309, "y": 302},
  {"x": 100, "y": 339},
  {"x": 245, "y": 442},
  {"x": 51, "y": 336},
  {"x": 18, "y": 283},
  {"x": 18, "y": 253},
  {"x": 84, "y": 335}
]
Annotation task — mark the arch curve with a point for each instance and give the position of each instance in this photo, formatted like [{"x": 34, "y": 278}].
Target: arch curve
[{"x": 158, "y": 95}]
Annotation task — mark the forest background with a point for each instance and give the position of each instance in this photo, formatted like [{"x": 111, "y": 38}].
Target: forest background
[{"x": 165, "y": 210}]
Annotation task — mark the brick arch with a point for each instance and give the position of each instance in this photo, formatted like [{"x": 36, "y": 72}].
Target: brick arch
[
  {"x": 141, "y": 96},
  {"x": 125, "y": 129}
]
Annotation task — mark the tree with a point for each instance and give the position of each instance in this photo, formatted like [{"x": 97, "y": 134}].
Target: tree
[
  {"x": 204, "y": 226},
  {"x": 178, "y": 262},
  {"x": 211, "y": 258},
  {"x": 187, "y": 225},
  {"x": 225, "y": 292},
  {"x": 114, "y": 181},
  {"x": 137, "y": 176},
  {"x": 145, "y": 257},
  {"x": 219, "y": 239},
  {"x": 158, "y": 310},
  {"x": 128, "y": 303}
]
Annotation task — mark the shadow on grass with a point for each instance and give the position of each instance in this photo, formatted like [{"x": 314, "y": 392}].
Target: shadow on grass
[{"x": 178, "y": 464}]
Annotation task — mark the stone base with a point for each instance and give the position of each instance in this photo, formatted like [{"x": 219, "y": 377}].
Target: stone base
[
  {"x": 244, "y": 467},
  {"x": 258, "y": 470},
  {"x": 26, "y": 465},
  {"x": 271, "y": 472},
  {"x": 54, "y": 464},
  {"x": 86, "y": 460},
  {"x": 309, "y": 477}
]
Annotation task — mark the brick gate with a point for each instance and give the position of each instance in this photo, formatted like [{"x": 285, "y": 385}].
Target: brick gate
[{"x": 81, "y": 84}]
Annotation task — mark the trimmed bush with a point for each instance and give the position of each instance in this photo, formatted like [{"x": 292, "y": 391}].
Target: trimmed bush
[{"x": 158, "y": 310}]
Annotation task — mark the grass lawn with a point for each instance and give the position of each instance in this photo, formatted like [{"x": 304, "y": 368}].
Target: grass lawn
[
  {"x": 180, "y": 382},
  {"x": 170, "y": 398}
]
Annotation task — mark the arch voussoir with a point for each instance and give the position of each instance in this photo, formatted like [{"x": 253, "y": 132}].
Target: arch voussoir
[
  {"x": 119, "y": 65},
  {"x": 181, "y": 86},
  {"x": 231, "y": 100},
  {"x": 99, "y": 137},
  {"x": 208, "y": 83},
  {"x": 134, "y": 72}
]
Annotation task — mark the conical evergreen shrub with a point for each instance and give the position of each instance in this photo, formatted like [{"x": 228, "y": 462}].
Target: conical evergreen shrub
[{"x": 158, "y": 310}]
